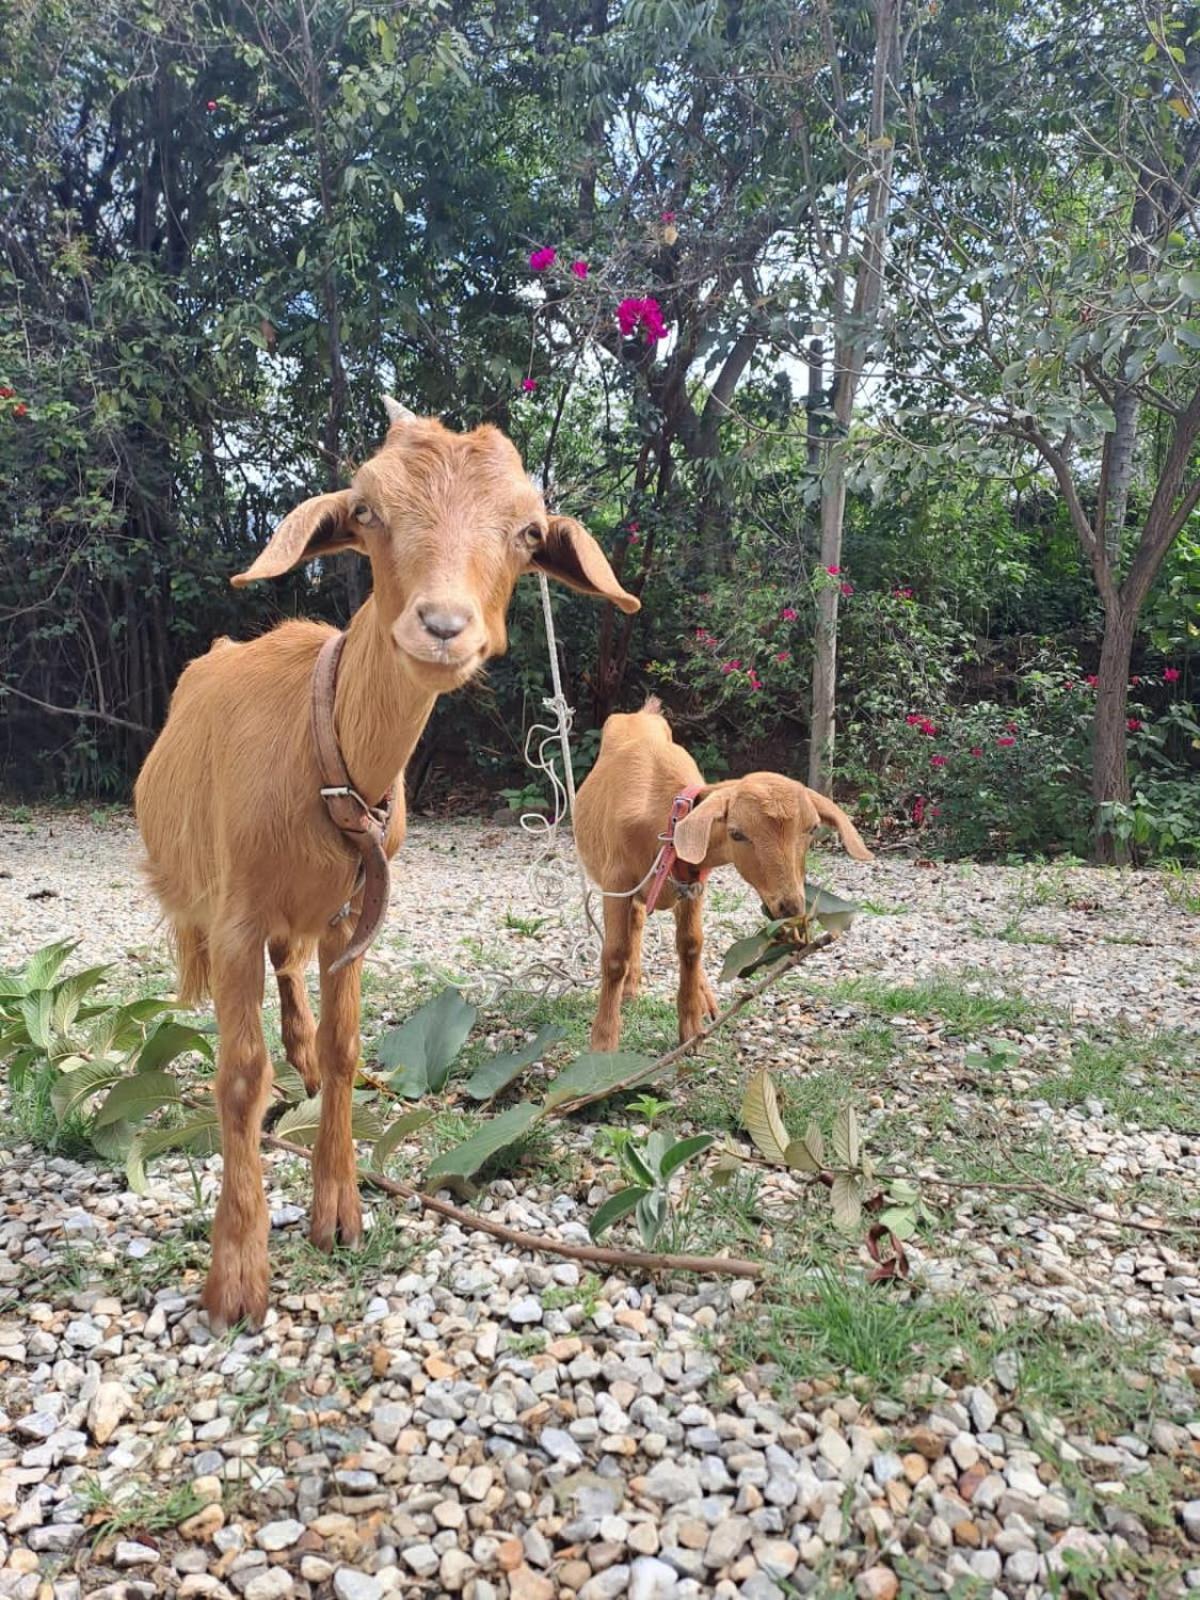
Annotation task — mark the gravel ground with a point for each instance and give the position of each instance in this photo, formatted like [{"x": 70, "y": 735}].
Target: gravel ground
[{"x": 453, "y": 1418}]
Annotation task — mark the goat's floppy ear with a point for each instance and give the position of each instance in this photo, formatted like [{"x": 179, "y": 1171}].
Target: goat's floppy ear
[
  {"x": 317, "y": 527},
  {"x": 834, "y": 817},
  {"x": 570, "y": 554},
  {"x": 693, "y": 833}
]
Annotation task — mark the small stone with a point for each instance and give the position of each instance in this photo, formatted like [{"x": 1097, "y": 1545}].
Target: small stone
[
  {"x": 526, "y": 1584},
  {"x": 207, "y": 1521},
  {"x": 877, "y": 1583},
  {"x": 273, "y": 1584},
  {"x": 606, "y": 1585},
  {"x": 477, "y": 1482},
  {"x": 1022, "y": 1566},
  {"x": 560, "y": 1446},
  {"x": 670, "y": 1483},
  {"x": 726, "y": 1541},
  {"x": 422, "y": 1558},
  {"x": 1189, "y": 1514},
  {"x": 105, "y": 1410},
  {"x": 351, "y": 1585},
  {"x": 456, "y": 1567},
  {"x": 129, "y": 1553},
  {"x": 650, "y": 1579},
  {"x": 279, "y": 1535},
  {"x": 525, "y": 1311},
  {"x": 835, "y": 1450},
  {"x": 982, "y": 1409}
]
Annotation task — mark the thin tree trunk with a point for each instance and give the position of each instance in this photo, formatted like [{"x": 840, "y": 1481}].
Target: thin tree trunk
[
  {"x": 1110, "y": 768},
  {"x": 1117, "y": 474}
]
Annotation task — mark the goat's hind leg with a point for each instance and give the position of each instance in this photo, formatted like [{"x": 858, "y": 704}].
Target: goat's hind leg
[
  {"x": 337, "y": 1207},
  {"x": 637, "y": 928},
  {"x": 614, "y": 965},
  {"x": 289, "y": 957},
  {"x": 238, "y": 1277}
]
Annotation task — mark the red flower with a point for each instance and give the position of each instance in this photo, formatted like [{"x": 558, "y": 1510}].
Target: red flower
[
  {"x": 976, "y": 750},
  {"x": 902, "y": 594},
  {"x": 1171, "y": 674},
  {"x": 783, "y": 655},
  {"x": 21, "y": 410},
  {"x": 754, "y": 679},
  {"x": 529, "y": 385},
  {"x": 1068, "y": 684},
  {"x": 847, "y": 589},
  {"x": 579, "y": 268},
  {"x": 1010, "y": 727},
  {"x": 935, "y": 811},
  {"x": 1091, "y": 680},
  {"x": 1005, "y": 742},
  {"x": 937, "y": 761},
  {"x": 929, "y": 729},
  {"x": 1134, "y": 724},
  {"x": 211, "y": 106},
  {"x": 539, "y": 260},
  {"x": 1134, "y": 683},
  {"x": 731, "y": 666},
  {"x": 833, "y": 571},
  {"x": 647, "y": 314},
  {"x": 668, "y": 216},
  {"x": 635, "y": 538},
  {"x": 6, "y": 393},
  {"x": 788, "y": 614},
  {"x": 633, "y": 527},
  {"x": 918, "y": 811},
  {"x": 914, "y": 718}
]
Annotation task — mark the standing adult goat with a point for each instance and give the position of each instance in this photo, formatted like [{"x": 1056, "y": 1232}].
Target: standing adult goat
[
  {"x": 242, "y": 843},
  {"x": 645, "y": 797}
]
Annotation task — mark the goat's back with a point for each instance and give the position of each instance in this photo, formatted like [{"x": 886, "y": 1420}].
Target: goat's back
[{"x": 625, "y": 801}]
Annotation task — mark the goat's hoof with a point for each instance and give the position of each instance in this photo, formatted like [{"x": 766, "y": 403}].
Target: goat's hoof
[
  {"x": 236, "y": 1291},
  {"x": 689, "y": 1027},
  {"x": 336, "y": 1216}
]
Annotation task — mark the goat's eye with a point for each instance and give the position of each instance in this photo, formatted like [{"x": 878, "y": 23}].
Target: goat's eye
[
  {"x": 531, "y": 536},
  {"x": 738, "y": 836},
  {"x": 362, "y": 512}
]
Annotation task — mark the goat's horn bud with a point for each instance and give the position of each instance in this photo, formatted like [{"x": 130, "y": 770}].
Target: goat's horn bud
[{"x": 396, "y": 412}]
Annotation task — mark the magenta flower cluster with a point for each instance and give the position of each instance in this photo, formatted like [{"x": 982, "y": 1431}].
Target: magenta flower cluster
[{"x": 646, "y": 313}]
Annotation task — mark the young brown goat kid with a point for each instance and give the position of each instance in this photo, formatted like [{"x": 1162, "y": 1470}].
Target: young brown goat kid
[
  {"x": 242, "y": 851},
  {"x": 761, "y": 824}
]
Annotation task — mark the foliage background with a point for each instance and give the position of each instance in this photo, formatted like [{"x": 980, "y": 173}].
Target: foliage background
[{"x": 226, "y": 227}]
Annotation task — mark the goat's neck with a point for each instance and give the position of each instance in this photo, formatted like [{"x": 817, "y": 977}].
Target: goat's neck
[{"x": 380, "y": 712}]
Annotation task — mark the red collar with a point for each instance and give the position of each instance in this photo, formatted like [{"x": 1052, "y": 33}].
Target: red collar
[{"x": 680, "y": 808}]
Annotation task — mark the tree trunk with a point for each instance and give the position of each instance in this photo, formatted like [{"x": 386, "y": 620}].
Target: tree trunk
[
  {"x": 824, "y": 689},
  {"x": 1118, "y": 474},
  {"x": 1110, "y": 768}
]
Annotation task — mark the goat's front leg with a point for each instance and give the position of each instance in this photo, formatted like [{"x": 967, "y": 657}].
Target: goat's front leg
[
  {"x": 695, "y": 994},
  {"x": 237, "y": 1279},
  {"x": 637, "y": 927},
  {"x": 336, "y": 1206},
  {"x": 289, "y": 957},
  {"x": 614, "y": 964}
]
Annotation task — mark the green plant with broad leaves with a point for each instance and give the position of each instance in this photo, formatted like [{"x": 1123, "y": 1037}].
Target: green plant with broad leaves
[{"x": 648, "y": 1164}]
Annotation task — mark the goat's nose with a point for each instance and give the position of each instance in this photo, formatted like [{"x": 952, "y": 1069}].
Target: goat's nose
[
  {"x": 443, "y": 622},
  {"x": 788, "y": 908}
]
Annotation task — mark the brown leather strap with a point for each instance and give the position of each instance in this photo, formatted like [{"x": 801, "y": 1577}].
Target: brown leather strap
[{"x": 364, "y": 825}]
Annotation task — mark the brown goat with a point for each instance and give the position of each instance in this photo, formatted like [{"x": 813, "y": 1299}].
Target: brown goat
[
  {"x": 242, "y": 851},
  {"x": 761, "y": 824}
]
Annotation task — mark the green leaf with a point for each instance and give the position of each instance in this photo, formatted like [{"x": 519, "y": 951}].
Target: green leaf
[
  {"x": 846, "y": 1141},
  {"x": 43, "y": 966},
  {"x": 596, "y": 1074},
  {"x": 651, "y": 1214},
  {"x": 846, "y": 1198},
  {"x": 73, "y": 1089},
  {"x": 1189, "y": 284},
  {"x": 168, "y": 1040},
  {"x": 760, "y": 1114},
  {"x": 68, "y": 995},
  {"x": 638, "y": 1164},
  {"x": 495, "y": 1074},
  {"x": 113, "y": 1140},
  {"x": 199, "y": 1135},
  {"x": 465, "y": 1159},
  {"x": 396, "y": 1135},
  {"x": 758, "y": 950},
  {"x": 422, "y": 1049},
  {"x": 135, "y": 1097},
  {"x": 685, "y": 1150},
  {"x": 830, "y": 910},
  {"x": 38, "y": 1012},
  {"x": 900, "y": 1220},
  {"x": 800, "y": 1157},
  {"x": 614, "y": 1208},
  {"x": 815, "y": 1140},
  {"x": 300, "y": 1123}
]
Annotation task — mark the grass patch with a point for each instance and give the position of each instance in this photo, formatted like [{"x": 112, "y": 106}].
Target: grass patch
[
  {"x": 139, "y": 1509},
  {"x": 966, "y": 1006},
  {"x": 1086, "y": 1374},
  {"x": 1149, "y": 1083}
]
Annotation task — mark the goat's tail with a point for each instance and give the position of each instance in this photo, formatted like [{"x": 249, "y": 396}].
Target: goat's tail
[
  {"x": 653, "y": 706},
  {"x": 192, "y": 964}
]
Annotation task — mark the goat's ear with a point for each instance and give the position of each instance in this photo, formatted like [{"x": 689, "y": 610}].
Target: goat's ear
[
  {"x": 317, "y": 527},
  {"x": 692, "y": 835},
  {"x": 834, "y": 817},
  {"x": 570, "y": 554}
]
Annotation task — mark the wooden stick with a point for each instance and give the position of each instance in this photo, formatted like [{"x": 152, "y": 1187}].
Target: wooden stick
[{"x": 593, "y": 1254}]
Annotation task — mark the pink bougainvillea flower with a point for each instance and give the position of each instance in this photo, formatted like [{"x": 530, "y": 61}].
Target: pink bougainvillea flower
[
  {"x": 976, "y": 750},
  {"x": 847, "y": 589},
  {"x": 788, "y": 614},
  {"x": 1091, "y": 680},
  {"x": 918, "y": 811},
  {"x": 1010, "y": 727},
  {"x": 731, "y": 666},
  {"x": 929, "y": 729},
  {"x": 211, "y": 106},
  {"x": 754, "y": 680},
  {"x": 902, "y": 594},
  {"x": 646, "y": 314},
  {"x": 913, "y": 718},
  {"x": 1171, "y": 674},
  {"x": 833, "y": 571},
  {"x": 539, "y": 260},
  {"x": 579, "y": 268},
  {"x": 1135, "y": 724},
  {"x": 634, "y": 527},
  {"x": 635, "y": 538},
  {"x": 937, "y": 761},
  {"x": 668, "y": 216},
  {"x": 21, "y": 410},
  {"x": 529, "y": 385},
  {"x": 1069, "y": 684},
  {"x": 783, "y": 655},
  {"x": 702, "y": 633},
  {"x": 935, "y": 811},
  {"x": 1005, "y": 741},
  {"x": 6, "y": 393}
]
